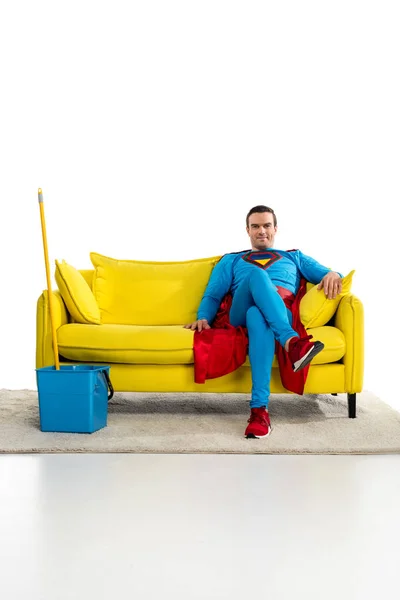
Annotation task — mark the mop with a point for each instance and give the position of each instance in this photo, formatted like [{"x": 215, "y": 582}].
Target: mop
[
  {"x": 72, "y": 398},
  {"x": 49, "y": 290}
]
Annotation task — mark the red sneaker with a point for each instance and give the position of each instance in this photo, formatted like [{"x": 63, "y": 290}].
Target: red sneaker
[
  {"x": 259, "y": 423},
  {"x": 302, "y": 351}
]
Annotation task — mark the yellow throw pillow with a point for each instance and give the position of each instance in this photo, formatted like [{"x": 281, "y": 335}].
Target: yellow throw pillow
[
  {"x": 77, "y": 295},
  {"x": 316, "y": 309},
  {"x": 133, "y": 292}
]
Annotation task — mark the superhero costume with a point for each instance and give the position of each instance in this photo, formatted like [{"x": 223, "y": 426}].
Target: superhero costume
[{"x": 252, "y": 300}]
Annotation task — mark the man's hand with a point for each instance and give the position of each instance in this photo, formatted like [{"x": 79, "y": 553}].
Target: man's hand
[
  {"x": 200, "y": 325},
  {"x": 332, "y": 284}
]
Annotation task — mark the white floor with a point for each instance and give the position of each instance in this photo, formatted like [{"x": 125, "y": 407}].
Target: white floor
[{"x": 199, "y": 526}]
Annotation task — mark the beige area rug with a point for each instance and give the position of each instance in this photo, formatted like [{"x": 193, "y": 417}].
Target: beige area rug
[{"x": 209, "y": 423}]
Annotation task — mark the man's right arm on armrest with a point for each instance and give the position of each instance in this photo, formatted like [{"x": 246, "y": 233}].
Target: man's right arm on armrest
[{"x": 219, "y": 284}]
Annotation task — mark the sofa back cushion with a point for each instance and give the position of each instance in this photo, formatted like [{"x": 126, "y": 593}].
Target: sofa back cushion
[
  {"x": 316, "y": 309},
  {"x": 132, "y": 292},
  {"x": 77, "y": 294}
]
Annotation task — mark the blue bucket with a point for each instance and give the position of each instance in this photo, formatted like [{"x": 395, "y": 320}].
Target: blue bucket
[{"x": 74, "y": 398}]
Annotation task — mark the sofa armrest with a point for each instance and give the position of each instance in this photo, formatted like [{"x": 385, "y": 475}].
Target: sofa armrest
[
  {"x": 44, "y": 342},
  {"x": 349, "y": 318}
]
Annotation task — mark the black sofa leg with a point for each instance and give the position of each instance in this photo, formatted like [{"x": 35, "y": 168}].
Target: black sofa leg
[
  {"x": 334, "y": 394},
  {"x": 351, "y": 400}
]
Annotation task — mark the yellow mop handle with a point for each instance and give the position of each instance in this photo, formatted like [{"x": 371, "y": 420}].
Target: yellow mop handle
[{"x": 50, "y": 293}]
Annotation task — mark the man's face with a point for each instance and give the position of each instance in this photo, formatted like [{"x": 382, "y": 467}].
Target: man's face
[{"x": 261, "y": 230}]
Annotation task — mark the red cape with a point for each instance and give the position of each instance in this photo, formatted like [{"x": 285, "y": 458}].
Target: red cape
[{"x": 223, "y": 348}]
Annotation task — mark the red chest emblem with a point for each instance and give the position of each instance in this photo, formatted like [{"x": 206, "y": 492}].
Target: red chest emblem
[{"x": 262, "y": 259}]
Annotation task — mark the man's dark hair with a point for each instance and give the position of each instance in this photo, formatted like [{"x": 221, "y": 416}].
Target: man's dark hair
[{"x": 260, "y": 209}]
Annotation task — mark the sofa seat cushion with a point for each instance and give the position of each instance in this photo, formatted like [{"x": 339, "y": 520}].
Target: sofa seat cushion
[
  {"x": 126, "y": 344},
  {"x": 333, "y": 340},
  {"x": 160, "y": 344}
]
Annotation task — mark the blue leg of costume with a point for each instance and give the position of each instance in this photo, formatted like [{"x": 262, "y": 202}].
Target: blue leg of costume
[{"x": 258, "y": 306}]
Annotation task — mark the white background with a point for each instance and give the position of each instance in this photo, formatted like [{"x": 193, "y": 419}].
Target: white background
[{"x": 154, "y": 126}]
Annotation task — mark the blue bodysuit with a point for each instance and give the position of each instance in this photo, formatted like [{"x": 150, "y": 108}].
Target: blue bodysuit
[{"x": 252, "y": 277}]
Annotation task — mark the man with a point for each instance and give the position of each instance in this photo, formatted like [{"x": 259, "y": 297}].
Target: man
[{"x": 252, "y": 278}]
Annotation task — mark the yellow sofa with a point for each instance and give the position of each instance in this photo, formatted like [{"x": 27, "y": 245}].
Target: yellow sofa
[{"x": 142, "y": 338}]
